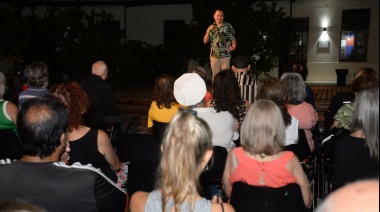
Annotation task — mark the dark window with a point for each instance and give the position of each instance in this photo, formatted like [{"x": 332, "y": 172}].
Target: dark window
[{"x": 354, "y": 37}]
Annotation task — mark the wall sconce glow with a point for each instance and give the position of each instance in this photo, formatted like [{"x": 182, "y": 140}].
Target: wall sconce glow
[
  {"x": 324, "y": 36},
  {"x": 325, "y": 20}
]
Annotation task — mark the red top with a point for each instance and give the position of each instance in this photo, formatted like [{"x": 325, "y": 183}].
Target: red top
[
  {"x": 274, "y": 173},
  {"x": 208, "y": 96}
]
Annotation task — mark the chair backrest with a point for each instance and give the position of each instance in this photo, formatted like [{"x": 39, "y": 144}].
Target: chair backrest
[
  {"x": 303, "y": 145},
  {"x": 94, "y": 118},
  {"x": 143, "y": 156},
  {"x": 159, "y": 130},
  {"x": 10, "y": 145},
  {"x": 245, "y": 197},
  {"x": 216, "y": 166}
]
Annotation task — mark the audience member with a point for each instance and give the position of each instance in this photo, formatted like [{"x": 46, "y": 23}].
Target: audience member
[
  {"x": 8, "y": 112},
  {"x": 305, "y": 113},
  {"x": 357, "y": 154},
  {"x": 101, "y": 97},
  {"x": 164, "y": 105},
  {"x": 40, "y": 179},
  {"x": 37, "y": 79},
  {"x": 358, "y": 196},
  {"x": 87, "y": 145},
  {"x": 343, "y": 116},
  {"x": 202, "y": 73},
  {"x": 186, "y": 150},
  {"x": 338, "y": 100},
  {"x": 261, "y": 159},
  {"x": 272, "y": 88},
  {"x": 226, "y": 96},
  {"x": 301, "y": 68},
  {"x": 240, "y": 66},
  {"x": 189, "y": 90}
]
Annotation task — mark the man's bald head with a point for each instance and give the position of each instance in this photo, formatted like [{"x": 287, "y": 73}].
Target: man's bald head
[
  {"x": 358, "y": 196},
  {"x": 100, "y": 69}
]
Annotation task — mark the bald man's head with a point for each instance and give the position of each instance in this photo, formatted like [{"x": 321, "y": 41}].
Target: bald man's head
[
  {"x": 358, "y": 196},
  {"x": 100, "y": 69}
]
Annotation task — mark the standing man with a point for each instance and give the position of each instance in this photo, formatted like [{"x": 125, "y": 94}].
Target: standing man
[
  {"x": 100, "y": 95},
  {"x": 222, "y": 38}
]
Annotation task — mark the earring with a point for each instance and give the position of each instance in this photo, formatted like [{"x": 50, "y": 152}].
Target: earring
[{"x": 205, "y": 167}]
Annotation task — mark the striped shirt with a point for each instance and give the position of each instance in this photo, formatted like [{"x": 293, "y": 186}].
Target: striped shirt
[
  {"x": 31, "y": 93},
  {"x": 247, "y": 86}
]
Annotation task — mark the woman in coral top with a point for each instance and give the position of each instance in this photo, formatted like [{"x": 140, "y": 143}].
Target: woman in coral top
[
  {"x": 261, "y": 159},
  {"x": 305, "y": 113}
]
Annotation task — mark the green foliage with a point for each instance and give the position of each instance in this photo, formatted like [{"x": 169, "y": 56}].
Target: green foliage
[{"x": 259, "y": 28}]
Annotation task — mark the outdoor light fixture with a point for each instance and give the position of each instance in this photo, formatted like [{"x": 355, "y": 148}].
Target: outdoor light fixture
[{"x": 324, "y": 29}]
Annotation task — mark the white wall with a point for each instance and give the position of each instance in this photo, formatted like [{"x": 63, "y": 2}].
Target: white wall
[{"x": 328, "y": 13}]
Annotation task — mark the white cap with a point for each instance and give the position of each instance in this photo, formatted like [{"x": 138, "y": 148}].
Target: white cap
[{"x": 189, "y": 89}]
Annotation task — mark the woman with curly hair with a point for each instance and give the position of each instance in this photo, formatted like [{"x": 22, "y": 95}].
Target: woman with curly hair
[
  {"x": 87, "y": 145},
  {"x": 164, "y": 105},
  {"x": 226, "y": 96},
  {"x": 186, "y": 151}
]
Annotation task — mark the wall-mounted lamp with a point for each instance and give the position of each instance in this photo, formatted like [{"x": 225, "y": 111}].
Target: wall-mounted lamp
[{"x": 324, "y": 29}]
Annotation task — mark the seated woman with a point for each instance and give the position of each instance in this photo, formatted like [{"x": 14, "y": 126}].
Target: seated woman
[
  {"x": 10, "y": 147},
  {"x": 357, "y": 154},
  {"x": 164, "y": 105},
  {"x": 226, "y": 96},
  {"x": 87, "y": 145},
  {"x": 272, "y": 88},
  {"x": 8, "y": 110},
  {"x": 186, "y": 150},
  {"x": 261, "y": 159},
  {"x": 305, "y": 113}
]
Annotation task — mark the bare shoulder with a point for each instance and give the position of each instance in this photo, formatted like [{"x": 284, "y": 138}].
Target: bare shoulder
[
  {"x": 102, "y": 136},
  {"x": 294, "y": 164},
  {"x": 138, "y": 201},
  {"x": 218, "y": 207},
  {"x": 12, "y": 108}
]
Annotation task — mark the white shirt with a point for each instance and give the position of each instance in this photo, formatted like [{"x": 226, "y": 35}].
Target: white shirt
[
  {"x": 292, "y": 132},
  {"x": 221, "y": 125}
]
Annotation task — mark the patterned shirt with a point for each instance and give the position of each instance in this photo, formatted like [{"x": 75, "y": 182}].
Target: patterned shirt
[
  {"x": 220, "y": 39},
  {"x": 344, "y": 116}
]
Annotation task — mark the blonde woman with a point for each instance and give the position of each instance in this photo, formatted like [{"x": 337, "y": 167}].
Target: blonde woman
[
  {"x": 261, "y": 159},
  {"x": 186, "y": 150}
]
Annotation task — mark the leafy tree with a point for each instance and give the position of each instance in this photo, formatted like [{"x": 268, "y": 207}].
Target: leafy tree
[{"x": 260, "y": 28}]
